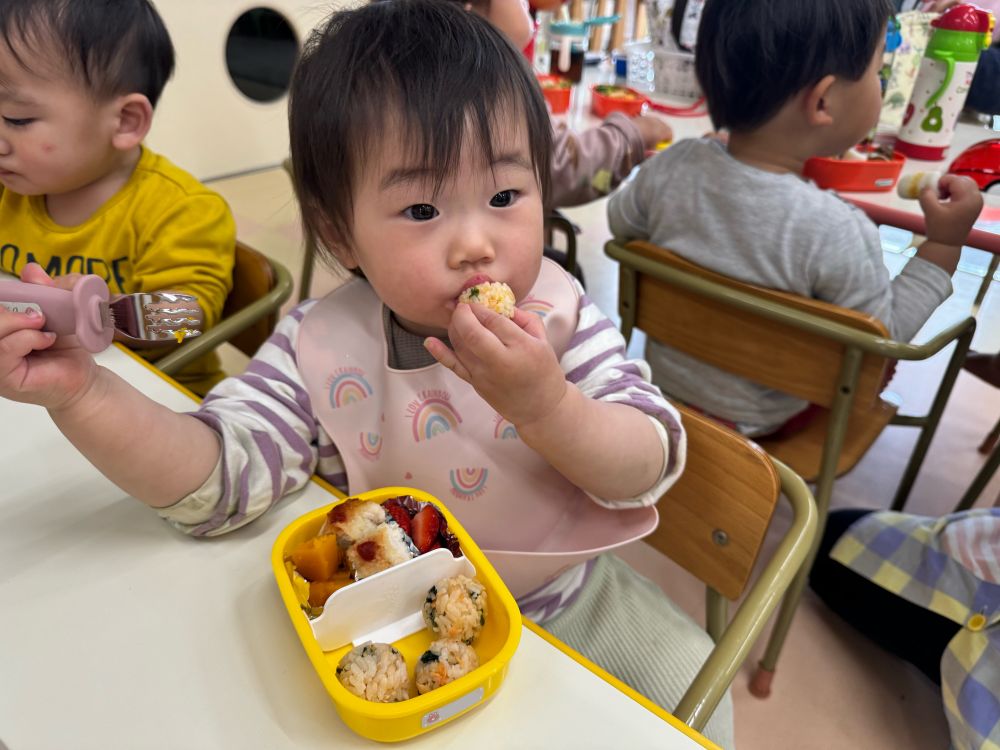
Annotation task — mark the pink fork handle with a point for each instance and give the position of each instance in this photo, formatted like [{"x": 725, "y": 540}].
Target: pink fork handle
[{"x": 66, "y": 312}]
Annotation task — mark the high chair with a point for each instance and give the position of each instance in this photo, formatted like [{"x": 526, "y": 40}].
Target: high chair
[
  {"x": 713, "y": 523},
  {"x": 830, "y": 356},
  {"x": 260, "y": 286}
]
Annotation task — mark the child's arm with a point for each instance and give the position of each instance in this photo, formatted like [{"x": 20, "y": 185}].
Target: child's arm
[
  {"x": 949, "y": 222},
  {"x": 588, "y": 164},
  {"x": 146, "y": 449},
  {"x": 629, "y": 206},
  {"x": 610, "y": 450},
  {"x": 262, "y": 421}
]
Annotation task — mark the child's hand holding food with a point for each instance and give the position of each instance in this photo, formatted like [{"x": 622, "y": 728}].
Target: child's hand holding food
[
  {"x": 509, "y": 361},
  {"x": 654, "y": 130},
  {"x": 33, "y": 368},
  {"x": 951, "y": 209}
]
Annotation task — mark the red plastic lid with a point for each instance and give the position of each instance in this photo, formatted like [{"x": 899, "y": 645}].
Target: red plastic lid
[{"x": 963, "y": 18}]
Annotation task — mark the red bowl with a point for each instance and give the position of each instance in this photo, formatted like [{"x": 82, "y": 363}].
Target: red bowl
[
  {"x": 607, "y": 99},
  {"x": 854, "y": 175},
  {"x": 556, "y": 90}
]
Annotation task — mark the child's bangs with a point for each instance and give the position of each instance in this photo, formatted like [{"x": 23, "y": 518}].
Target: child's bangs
[{"x": 433, "y": 137}]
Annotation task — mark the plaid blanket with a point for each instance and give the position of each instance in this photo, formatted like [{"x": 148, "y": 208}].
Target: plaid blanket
[{"x": 951, "y": 566}]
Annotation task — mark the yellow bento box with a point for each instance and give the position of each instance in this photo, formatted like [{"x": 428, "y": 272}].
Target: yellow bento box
[{"x": 391, "y": 722}]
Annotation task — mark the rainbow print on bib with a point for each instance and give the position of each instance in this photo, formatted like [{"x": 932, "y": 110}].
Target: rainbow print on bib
[
  {"x": 347, "y": 386},
  {"x": 432, "y": 414},
  {"x": 468, "y": 484},
  {"x": 539, "y": 307},
  {"x": 371, "y": 445},
  {"x": 504, "y": 429}
]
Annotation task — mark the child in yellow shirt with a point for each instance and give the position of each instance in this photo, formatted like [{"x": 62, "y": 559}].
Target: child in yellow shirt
[{"x": 79, "y": 193}]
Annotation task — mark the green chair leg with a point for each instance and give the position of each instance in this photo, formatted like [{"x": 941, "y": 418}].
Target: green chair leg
[
  {"x": 979, "y": 483},
  {"x": 990, "y": 440},
  {"x": 985, "y": 285},
  {"x": 933, "y": 418},
  {"x": 760, "y": 684}
]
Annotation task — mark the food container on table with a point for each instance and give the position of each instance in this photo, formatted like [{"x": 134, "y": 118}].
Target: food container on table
[
  {"x": 556, "y": 91},
  {"x": 385, "y": 608},
  {"x": 605, "y": 99},
  {"x": 861, "y": 175}
]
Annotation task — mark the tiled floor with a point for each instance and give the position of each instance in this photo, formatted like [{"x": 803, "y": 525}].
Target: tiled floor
[{"x": 833, "y": 689}]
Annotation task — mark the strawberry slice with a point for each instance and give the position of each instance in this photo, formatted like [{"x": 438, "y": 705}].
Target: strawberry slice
[
  {"x": 426, "y": 527},
  {"x": 395, "y": 511}
]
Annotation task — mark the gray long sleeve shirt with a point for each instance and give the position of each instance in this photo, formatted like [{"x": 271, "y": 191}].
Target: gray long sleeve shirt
[{"x": 773, "y": 230}]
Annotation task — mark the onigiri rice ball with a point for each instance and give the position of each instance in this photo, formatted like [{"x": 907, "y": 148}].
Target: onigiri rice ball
[
  {"x": 495, "y": 295},
  {"x": 456, "y": 608},
  {"x": 384, "y": 547},
  {"x": 352, "y": 520},
  {"x": 443, "y": 661},
  {"x": 375, "y": 672}
]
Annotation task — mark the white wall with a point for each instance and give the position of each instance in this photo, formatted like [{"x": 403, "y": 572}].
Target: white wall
[{"x": 203, "y": 123}]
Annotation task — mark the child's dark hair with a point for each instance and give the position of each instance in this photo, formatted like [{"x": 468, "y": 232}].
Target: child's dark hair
[
  {"x": 428, "y": 72},
  {"x": 114, "y": 46},
  {"x": 752, "y": 56}
]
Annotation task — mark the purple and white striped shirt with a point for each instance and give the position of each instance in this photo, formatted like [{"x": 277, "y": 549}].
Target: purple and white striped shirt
[{"x": 272, "y": 442}]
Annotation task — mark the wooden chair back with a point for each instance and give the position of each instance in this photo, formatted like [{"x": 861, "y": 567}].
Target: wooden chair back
[
  {"x": 714, "y": 519},
  {"x": 772, "y": 353},
  {"x": 253, "y": 277}
]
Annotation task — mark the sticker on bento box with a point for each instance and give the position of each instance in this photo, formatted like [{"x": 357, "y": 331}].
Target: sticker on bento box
[
  {"x": 386, "y": 606},
  {"x": 455, "y": 707}
]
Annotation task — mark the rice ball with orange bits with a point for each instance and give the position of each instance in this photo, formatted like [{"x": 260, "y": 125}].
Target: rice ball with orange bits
[
  {"x": 456, "y": 608},
  {"x": 375, "y": 672},
  {"x": 494, "y": 295},
  {"x": 444, "y": 661}
]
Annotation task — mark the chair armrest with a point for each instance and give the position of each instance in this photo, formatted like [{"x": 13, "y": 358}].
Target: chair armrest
[{"x": 715, "y": 676}]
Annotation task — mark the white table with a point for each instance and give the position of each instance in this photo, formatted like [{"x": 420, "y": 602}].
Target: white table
[{"x": 118, "y": 632}]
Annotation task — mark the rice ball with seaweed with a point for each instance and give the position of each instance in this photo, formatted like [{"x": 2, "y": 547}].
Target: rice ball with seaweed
[
  {"x": 444, "y": 660},
  {"x": 352, "y": 520},
  {"x": 375, "y": 672},
  {"x": 456, "y": 608},
  {"x": 495, "y": 295}
]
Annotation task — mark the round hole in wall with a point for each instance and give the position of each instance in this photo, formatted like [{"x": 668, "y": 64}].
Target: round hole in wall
[{"x": 260, "y": 53}]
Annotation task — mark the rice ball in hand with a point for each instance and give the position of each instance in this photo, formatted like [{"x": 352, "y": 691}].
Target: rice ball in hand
[
  {"x": 444, "y": 660},
  {"x": 456, "y": 608},
  {"x": 495, "y": 295},
  {"x": 375, "y": 672}
]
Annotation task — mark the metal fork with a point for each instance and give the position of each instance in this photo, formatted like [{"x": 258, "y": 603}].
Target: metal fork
[{"x": 88, "y": 312}]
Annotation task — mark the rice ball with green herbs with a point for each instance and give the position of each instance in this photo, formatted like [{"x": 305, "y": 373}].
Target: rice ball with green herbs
[
  {"x": 375, "y": 672},
  {"x": 495, "y": 295},
  {"x": 456, "y": 608},
  {"x": 444, "y": 660}
]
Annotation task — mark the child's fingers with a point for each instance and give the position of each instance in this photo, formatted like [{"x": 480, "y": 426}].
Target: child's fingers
[
  {"x": 530, "y": 323},
  {"x": 13, "y": 322},
  {"x": 18, "y": 345},
  {"x": 961, "y": 189},
  {"x": 469, "y": 332},
  {"x": 440, "y": 351},
  {"x": 33, "y": 273},
  {"x": 68, "y": 281}
]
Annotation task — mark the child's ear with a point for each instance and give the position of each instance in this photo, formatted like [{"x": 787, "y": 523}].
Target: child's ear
[
  {"x": 341, "y": 250},
  {"x": 817, "y": 102},
  {"x": 133, "y": 119}
]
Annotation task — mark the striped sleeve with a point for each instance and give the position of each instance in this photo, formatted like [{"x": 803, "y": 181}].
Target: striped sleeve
[
  {"x": 271, "y": 442},
  {"x": 595, "y": 361}
]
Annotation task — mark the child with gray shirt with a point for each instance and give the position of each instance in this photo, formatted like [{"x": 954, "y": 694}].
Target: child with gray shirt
[{"x": 789, "y": 80}]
